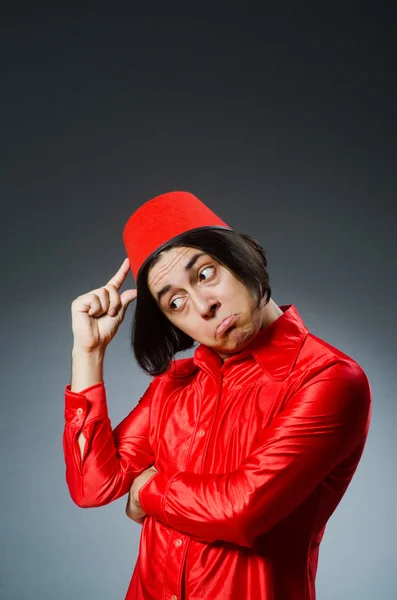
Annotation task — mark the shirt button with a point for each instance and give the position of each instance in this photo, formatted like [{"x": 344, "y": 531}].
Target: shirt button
[
  {"x": 178, "y": 542},
  {"x": 173, "y": 597},
  {"x": 200, "y": 433},
  {"x": 79, "y": 411}
]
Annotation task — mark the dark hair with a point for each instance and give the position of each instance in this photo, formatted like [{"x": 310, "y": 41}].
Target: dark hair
[{"x": 154, "y": 339}]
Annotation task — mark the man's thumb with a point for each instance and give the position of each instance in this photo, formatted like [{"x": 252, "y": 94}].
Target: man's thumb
[{"x": 127, "y": 296}]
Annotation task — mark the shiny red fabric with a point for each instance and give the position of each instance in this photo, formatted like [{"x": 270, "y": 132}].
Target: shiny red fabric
[{"x": 254, "y": 454}]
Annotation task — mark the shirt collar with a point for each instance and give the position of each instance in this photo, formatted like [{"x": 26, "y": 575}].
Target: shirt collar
[{"x": 275, "y": 347}]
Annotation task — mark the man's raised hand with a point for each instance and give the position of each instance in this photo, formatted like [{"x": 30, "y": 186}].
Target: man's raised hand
[{"x": 97, "y": 315}]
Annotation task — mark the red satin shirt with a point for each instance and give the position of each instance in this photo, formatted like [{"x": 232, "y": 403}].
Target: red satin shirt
[{"x": 254, "y": 454}]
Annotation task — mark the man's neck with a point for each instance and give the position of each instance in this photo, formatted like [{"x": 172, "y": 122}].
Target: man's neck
[{"x": 271, "y": 312}]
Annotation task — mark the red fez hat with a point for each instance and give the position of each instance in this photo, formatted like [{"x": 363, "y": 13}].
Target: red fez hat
[{"x": 162, "y": 220}]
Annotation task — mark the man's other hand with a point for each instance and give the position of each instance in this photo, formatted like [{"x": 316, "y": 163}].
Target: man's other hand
[{"x": 133, "y": 509}]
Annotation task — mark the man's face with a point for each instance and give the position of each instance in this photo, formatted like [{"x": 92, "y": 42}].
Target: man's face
[{"x": 197, "y": 293}]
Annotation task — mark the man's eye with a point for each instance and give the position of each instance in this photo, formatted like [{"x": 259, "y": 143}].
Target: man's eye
[
  {"x": 173, "y": 302},
  {"x": 204, "y": 270}
]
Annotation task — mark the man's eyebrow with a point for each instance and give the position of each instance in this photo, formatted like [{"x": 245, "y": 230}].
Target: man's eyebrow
[{"x": 187, "y": 267}]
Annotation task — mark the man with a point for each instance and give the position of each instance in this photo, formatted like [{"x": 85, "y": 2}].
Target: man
[{"x": 234, "y": 459}]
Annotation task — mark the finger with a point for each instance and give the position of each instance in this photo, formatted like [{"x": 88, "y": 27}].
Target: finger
[
  {"x": 118, "y": 279},
  {"x": 95, "y": 305},
  {"x": 103, "y": 297},
  {"x": 114, "y": 301},
  {"x": 96, "y": 302},
  {"x": 128, "y": 296}
]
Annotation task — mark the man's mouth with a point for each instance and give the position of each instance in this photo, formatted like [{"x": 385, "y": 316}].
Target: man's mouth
[{"x": 226, "y": 323}]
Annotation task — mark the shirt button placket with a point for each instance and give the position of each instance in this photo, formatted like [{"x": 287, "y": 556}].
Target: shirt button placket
[{"x": 174, "y": 564}]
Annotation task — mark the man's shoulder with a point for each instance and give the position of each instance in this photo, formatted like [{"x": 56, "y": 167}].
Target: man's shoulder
[{"x": 318, "y": 354}]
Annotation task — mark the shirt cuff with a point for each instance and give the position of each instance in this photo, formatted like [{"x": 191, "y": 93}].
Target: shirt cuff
[
  {"x": 85, "y": 406},
  {"x": 152, "y": 495}
]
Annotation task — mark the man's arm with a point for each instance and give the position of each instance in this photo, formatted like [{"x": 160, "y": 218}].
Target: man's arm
[
  {"x": 321, "y": 424},
  {"x": 103, "y": 468},
  {"x": 87, "y": 370}
]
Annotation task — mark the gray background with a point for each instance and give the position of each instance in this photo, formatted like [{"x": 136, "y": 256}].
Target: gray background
[{"x": 285, "y": 126}]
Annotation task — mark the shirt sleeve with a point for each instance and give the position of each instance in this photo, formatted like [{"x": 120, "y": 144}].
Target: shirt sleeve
[
  {"x": 112, "y": 458},
  {"x": 320, "y": 425}
]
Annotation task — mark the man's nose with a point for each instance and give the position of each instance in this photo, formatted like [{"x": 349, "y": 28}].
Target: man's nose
[{"x": 207, "y": 308}]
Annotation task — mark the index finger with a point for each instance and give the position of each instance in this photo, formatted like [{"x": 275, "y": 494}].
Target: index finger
[{"x": 118, "y": 279}]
